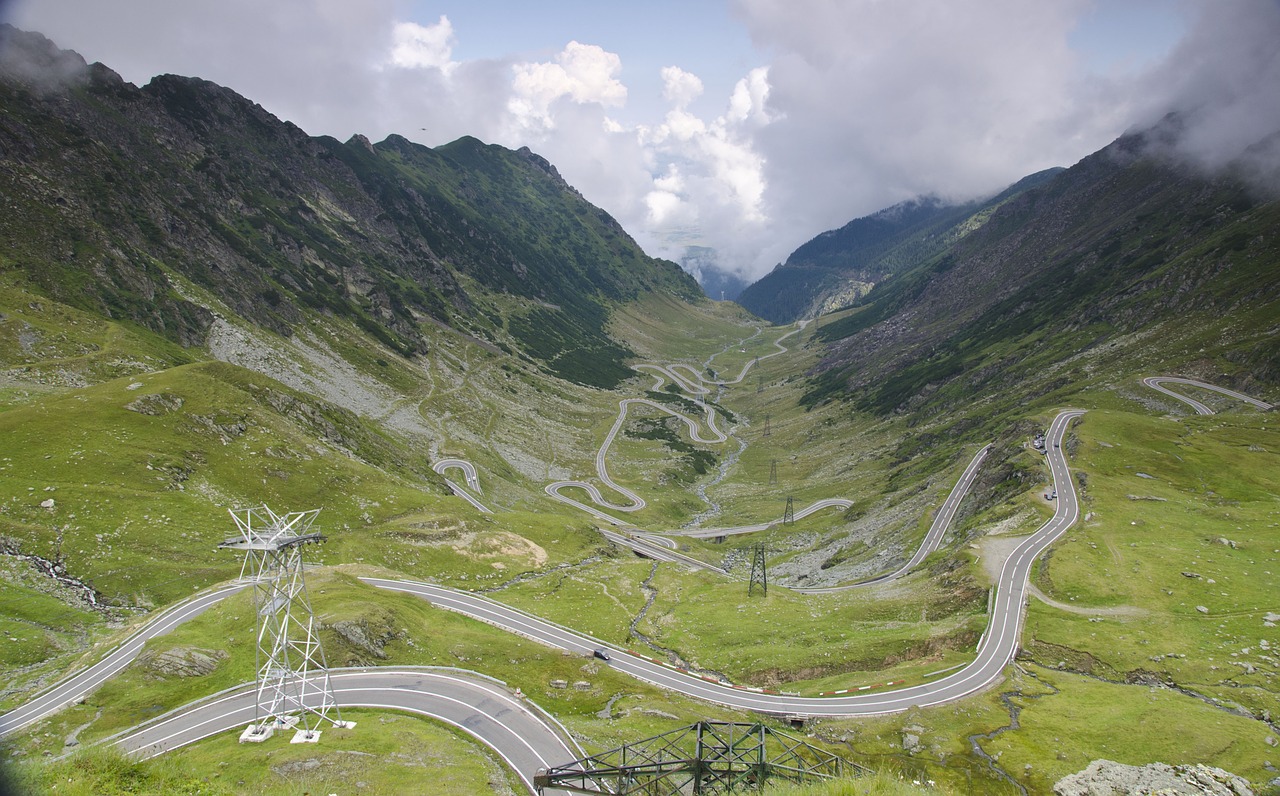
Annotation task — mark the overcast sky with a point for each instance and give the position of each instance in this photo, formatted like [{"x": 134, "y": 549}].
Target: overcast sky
[{"x": 747, "y": 126}]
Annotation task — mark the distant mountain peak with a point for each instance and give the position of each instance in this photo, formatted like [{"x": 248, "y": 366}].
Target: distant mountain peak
[{"x": 839, "y": 266}]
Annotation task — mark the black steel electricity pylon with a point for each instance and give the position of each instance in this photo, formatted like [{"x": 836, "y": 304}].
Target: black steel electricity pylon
[
  {"x": 766, "y": 424},
  {"x": 789, "y": 516},
  {"x": 710, "y": 758},
  {"x": 773, "y": 471},
  {"x": 759, "y": 575}
]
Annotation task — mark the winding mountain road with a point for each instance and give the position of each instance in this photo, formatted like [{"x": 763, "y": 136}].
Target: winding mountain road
[
  {"x": 69, "y": 690},
  {"x": 692, "y": 383},
  {"x": 937, "y": 530},
  {"x": 996, "y": 649},
  {"x": 527, "y": 740},
  {"x": 651, "y": 544},
  {"x": 469, "y": 473},
  {"x": 662, "y": 547},
  {"x": 483, "y": 708},
  {"x": 1157, "y": 383},
  {"x": 998, "y": 645}
]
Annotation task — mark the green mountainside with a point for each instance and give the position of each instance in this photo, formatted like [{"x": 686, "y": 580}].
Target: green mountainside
[
  {"x": 1128, "y": 255},
  {"x": 185, "y": 178},
  {"x": 839, "y": 266}
]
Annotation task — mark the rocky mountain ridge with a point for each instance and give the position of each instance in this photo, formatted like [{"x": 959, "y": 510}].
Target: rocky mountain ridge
[
  {"x": 117, "y": 194},
  {"x": 1124, "y": 249}
]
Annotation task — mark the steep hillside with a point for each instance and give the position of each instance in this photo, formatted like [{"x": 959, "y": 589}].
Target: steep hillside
[
  {"x": 839, "y": 266},
  {"x": 1128, "y": 254},
  {"x": 113, "y": 190}
]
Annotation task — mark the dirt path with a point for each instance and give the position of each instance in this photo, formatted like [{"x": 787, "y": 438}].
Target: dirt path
[
  {"x": 1118, "y": 610},
  {"x": 994, "y": 551}
]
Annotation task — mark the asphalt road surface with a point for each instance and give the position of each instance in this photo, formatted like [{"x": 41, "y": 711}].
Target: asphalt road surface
[
  {"x": 937, "y": 530},
  {"x": 469, "y": 473},
  {"x": 486, "y": 710},
  {"x": 1156, "y": 382},
  {"x": 996, "y": 649},
  {"x": 68, "y": 691}
]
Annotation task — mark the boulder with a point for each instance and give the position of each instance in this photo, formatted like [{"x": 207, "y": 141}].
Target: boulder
[
  {"x": 1106, "y": 778},
  {"x": 371, "y": 637},
  {"x": 910, "y": 743}
]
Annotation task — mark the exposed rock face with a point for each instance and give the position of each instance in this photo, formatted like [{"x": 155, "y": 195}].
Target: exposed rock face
[
  {"x": 155, "y": 404},
  {"x": 185, "y": 662},
  {"x": 368, "y": 637},
  {"x": 1106, "y": 778}
]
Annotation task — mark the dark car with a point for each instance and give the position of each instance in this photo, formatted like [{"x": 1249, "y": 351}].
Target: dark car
[{"x": 601, "y": 654}]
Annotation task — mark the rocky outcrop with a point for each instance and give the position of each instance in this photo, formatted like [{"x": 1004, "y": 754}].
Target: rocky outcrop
[
  {"x": 184, "y": 662},
  {"x": 1107, "y": 778},
  {"x": 155, "y": 404},
  {"x": 369, "y": 638}
]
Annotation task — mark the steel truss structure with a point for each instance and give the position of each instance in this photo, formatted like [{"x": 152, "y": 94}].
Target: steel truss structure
[
  {"x": 710, "y": 757},
  {"x": 759, "y": 573},
  {"x": 293, "y": 679}
]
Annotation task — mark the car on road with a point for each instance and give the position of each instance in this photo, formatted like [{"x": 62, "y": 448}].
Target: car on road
[{"x": 601, "y": 654}]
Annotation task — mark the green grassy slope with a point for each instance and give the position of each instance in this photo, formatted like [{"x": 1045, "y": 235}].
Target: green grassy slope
[{"x": 926, "y": 624}]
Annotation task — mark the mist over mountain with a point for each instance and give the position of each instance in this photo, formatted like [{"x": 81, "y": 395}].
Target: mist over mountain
[
  {"x": 840, "y": 266},
  {"x": 1123, "y": 254},
  {"x": 717, "y": 284}
]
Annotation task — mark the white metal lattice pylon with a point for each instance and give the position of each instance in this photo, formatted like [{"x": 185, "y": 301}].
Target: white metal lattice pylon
[{"x": 293, "y": 679}]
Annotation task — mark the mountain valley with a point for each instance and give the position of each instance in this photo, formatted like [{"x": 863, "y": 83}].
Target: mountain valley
[{"x": 203, "y": 308}]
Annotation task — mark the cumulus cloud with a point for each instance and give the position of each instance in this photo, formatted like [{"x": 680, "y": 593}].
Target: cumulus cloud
[
  {"x": 585, "y": 73},
  {"x": 749, "y": 97},
  {"x": 680, "y": 87},
  {"x": 417, "y": 46}
]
